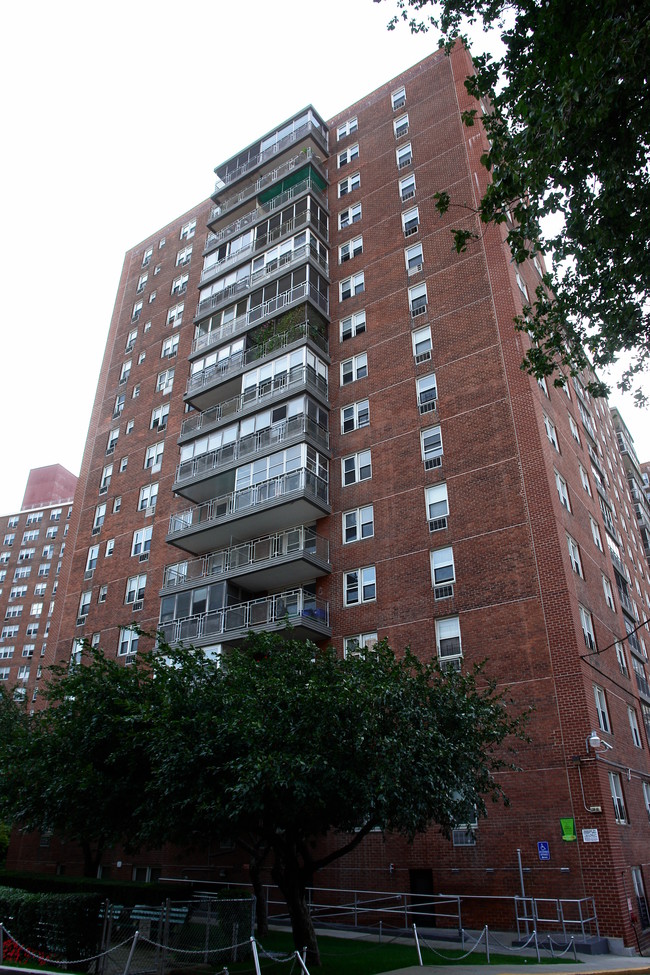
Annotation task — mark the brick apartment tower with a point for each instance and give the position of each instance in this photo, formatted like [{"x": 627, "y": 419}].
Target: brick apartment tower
[
  {"x": 33, "y": 543},
  {"x": 360, "y": 450}
]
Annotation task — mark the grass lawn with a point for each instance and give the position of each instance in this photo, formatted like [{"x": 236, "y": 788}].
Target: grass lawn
[{"x": 341, "y": 956}]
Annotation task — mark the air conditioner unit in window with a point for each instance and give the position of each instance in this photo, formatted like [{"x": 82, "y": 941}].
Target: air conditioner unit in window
[
  {"x": 103, "y": 490},
  {"x": 137, "y": 605},
  {"x": 89, "y": 573},
  {"x": 432, "y": 462},
  {"x": 96, "y": 530},
  {"x": 123, "y": 380},
  {"x": 150, "y": 511},
  {"x": 110, "y": 449},
  {"x": 443, "y": 592},
  {"x": 81, "y": 620},
  {"x": 156, "y": 467},
  {"x": 415, "y": 269},
  {"x": 144, "y": 557}
]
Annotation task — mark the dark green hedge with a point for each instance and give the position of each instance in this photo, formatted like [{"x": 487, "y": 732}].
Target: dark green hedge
[{"x": 60, "y": 925}]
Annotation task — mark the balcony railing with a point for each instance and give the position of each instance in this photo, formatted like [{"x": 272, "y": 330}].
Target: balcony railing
[
  {"x": 240, "y": 360},
  {"x": 300, "y": 133},
  {"x": 265, "y": 208},
  {"x": 284, "y": 300},
  {"x": 249, "y": 555},
  {"x": 296, "y": 162},
  {"x": 280, "y": 433},
  {"x": 642, "y": 684},
  {"x": 616, "y": 561},
  {"x": 285, "y": 262},
  {"x": 293, "y": 606},
  {"x": 256, "y": 496},
  {"x": 288, "y": 227},
  {"x": 255, "y": 396},
  {"x": 633, "y": 640},
  {"x": 625, "y": 600}
]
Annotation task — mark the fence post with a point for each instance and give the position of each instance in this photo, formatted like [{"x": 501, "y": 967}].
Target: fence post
[
  {"x": 301, "y": 963},
  {"x": 462, "y": 938},
  {"x": 162, "y": 957},
  {"x": 575, "y": 953},
  {"x": 380, "y": 931},
  {"x": 536, "y": 945},
  {"x": 487, "y": 945},
  {"x": 128, "y": 960},
  {"x": 235, "y": 936},
  {"x": 417, "y": 944},
  {"x": 206, "y": 944},
  {"x": 406, "y": 912},
  {"x": 255, "y": 957}
]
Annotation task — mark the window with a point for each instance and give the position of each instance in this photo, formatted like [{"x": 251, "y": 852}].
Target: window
[
  {"x": 175, "y": 314},
  {"x": 562, "y": 490},
  {"x": 146, "y": 257},
  {"x": 107, "y": 474},
  {"x": 587, "y": 628},
  {"x": 117, "y": 504},
  {"x": 100, "y": 515},
  {"x": 350, "y": 249},
  {"x": 348, "y": 155},
  {"x": 44, "y": 570},
  {"x": 575, "y": 433},
  {"x": 355, "y": 416},
  {"x": 110, "y": 546},
  {"x": 118, "y": 409},
  {"x": 26, "y": 554},
  {"x": 129, "y": 427},
  {"x": 356, "y": 467},
  {"x": 641, "y": 902},
  {"x": 448, "y": 644},
  {"x": 161, "y": 243},
  {"x": 407, "y": 188},
  {"x": 84, "y": 602},
  {"x": 398, "y": 98},
  {"x": 352, "y": 644},
  {"x": 418, "y": 300},
  {"x": 617, "y": 797},
  {"x": 102, "y": 594},
  {"x": 601, "y": 709},
  {"x": 349, "y": 216},
  {"x": 153, "y": 456},
  {"x": 135, "y": 588},
  {"x": 646, "y": 796},
  {"x": 414, "y": 258},
  {"x": 188, "y": 229},
  {"x": 32, "y": 629},
  {"x": 28, "y": 536},
  {"x": 427, "y": 392},
  {"x": 10, "y": 536},
  {"x": 179, "y": 284},
  {"x": 574, "y": 556},
  {"x": 541, "y": 382},
  {"x": 359, "y": 586},
  {"x": 165, "y": 381},
  {"x": 347, "y": 128},
  {"x": 137, "y": 311},
  {"x": 551, "y": 432},
  {"x": 159, "y": 417},
  {"x": 152, "y": 298},
  {"x": 23, "y": 672},
  {"x": 352, "y": 286},
  {"x": 353, "y": 325},
  {"x": 184, "y": 256},
  {"x": 401, "y": 126},
  {"x": 355, "y": 368},
  {"x": 9, "y": 632},
  {"x": 13, "y": 522},
  {"x": 358, "y": 524},
  {"x": 128, "y": 643},
  {"x": 124, "y": 464},
  {"x": 142, "y": 280},
  {"x": 609, "y": 595},
  {"x": 585, "y": 479},
  {"x": 157, "y": 269},
  {"x": 36, "y": 609},
  {"x": 437, "y": 506},
  {"x": 131, "y": 339},
  {"x": 4, "y": 673},
  {"x": 142, "y": 541},
  {"x": 410, "y": 221},
  {"x": 148, "y": 496},
  {"x": 349, "y": 184},
  {"x": 443, "y": 573},
  {"x": 621, "y": 658},
  {"x": 17, "y": 592},
  {"x": 595, "y": 533},
  {"x": 634, "y": 728},
  {"x": 91, "y": 560},
  {"x": 431, "y": 444},
  {"x": 422, "y": 344},
  {"x": 4, "y": 557},
  {"x": 404, "y": 156},
  {"x": 112, "y": 440}
]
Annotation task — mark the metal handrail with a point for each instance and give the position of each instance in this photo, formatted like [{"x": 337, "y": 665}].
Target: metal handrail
[
  {"x": 264, "y": 208},
  {"x": 265, "y": 154}
]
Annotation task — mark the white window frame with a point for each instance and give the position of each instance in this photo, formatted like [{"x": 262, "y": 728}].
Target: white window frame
[
  {"x": 188, "y": 230},
  {"x": 422, "y": 344},
  {"x": 355, "y": 416},
  {"x": 609, "y": 593},
  {"x": 634, "y": 728},
  {"x": 356, "y": 468},
  {"x": 431, "y": 455},
  {"x": 551, "y": 432},
  {"x": 351, "y": 248},
  {"x": 448, "y": 631},
  {"x": 436, "y": 500},
  {"x": 618, "y": 799},
  {"x": 427, "y": 393},
  {"x": 352, "y": 325},
  {"x": 443, "y": 572},
  {"x": 141, "y": 543},
  {"x": 574, "y": 556},
  {"x": 401, "y": 126},
  {"x": 418, "y": 300},
  {"x": 404, "y": 155},
  {"x": 398, "y": 98},
  {"x": 602, "y": 711},
  {"x": 354, "y": 368},
  {"x": 135, "y": 587},
  {"x": 358, "y": 524},
  {"x": 595, "y": 534},
  {"x": 407, "y": 187},
  {"x": 350, "y": 215},
  {"x": 352, "y": 286},
  {"x": 414, "y": 258},
  {"x": 360, "y": 641},
  {"x": 349, "y": 184},
  {"x": 562, "y": 491},
  {"x": 347, "y": 128},
  {"x": 363, "y": 582},
  {"x": 348, "y": 155},
  {"x": 411, "y": 221}
]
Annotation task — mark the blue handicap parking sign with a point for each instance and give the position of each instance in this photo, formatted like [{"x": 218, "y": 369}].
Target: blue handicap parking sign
[{"x": 543, "y": 850}]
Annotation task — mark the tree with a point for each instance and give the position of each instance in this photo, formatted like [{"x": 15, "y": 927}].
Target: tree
[
  {"x": 77, "y": 767},
  {"x": 566, "y": 113},
  {"x": 288, "y": 745}
]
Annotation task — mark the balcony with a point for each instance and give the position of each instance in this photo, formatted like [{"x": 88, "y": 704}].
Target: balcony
[
  {"x": 302, "y": 132},
  {"x": 283, "y": 559},
  {"x": 626, "y": 602},
  {"x": 200, "y": 390},
  {"x": 635, "y": 646},
  {"x": 195, "y": 478},
  {"x": 283, "y": 264},
  {"x": 273, "y": 390},
  {"x": 263, "y": 210},
  {"x": 616, "y": 561},
  {"x": 299, "y": 496},
  {"x": 296, "y": 163},
  {"x": 642, "y": 684},
  {"x": 307, "y": 615}
]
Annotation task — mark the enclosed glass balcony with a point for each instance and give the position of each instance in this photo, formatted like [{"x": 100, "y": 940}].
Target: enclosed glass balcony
[
  {"x": 304, "y": 165},
  {"x": 307, "y": 615},
  {"x": 277, "y": 503},
  {"x": 286, "y": 559}
]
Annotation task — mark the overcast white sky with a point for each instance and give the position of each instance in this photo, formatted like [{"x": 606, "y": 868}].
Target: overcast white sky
[{"x": 114, "y": 118}]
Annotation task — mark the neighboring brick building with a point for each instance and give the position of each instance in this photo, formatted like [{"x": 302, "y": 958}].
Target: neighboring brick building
[
  {"x": 33, "y": 543},
  {"x": 360, "y": 449}
]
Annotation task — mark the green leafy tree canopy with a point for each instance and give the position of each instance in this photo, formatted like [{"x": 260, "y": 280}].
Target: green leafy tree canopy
[{"x": 565, "y": 110}]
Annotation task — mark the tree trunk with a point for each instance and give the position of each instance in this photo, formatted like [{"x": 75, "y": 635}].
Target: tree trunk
[
  {"x": 91, "y": 860},
  {"x": 287, "y": 873},
  {"x": 261, "y": 917}
]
